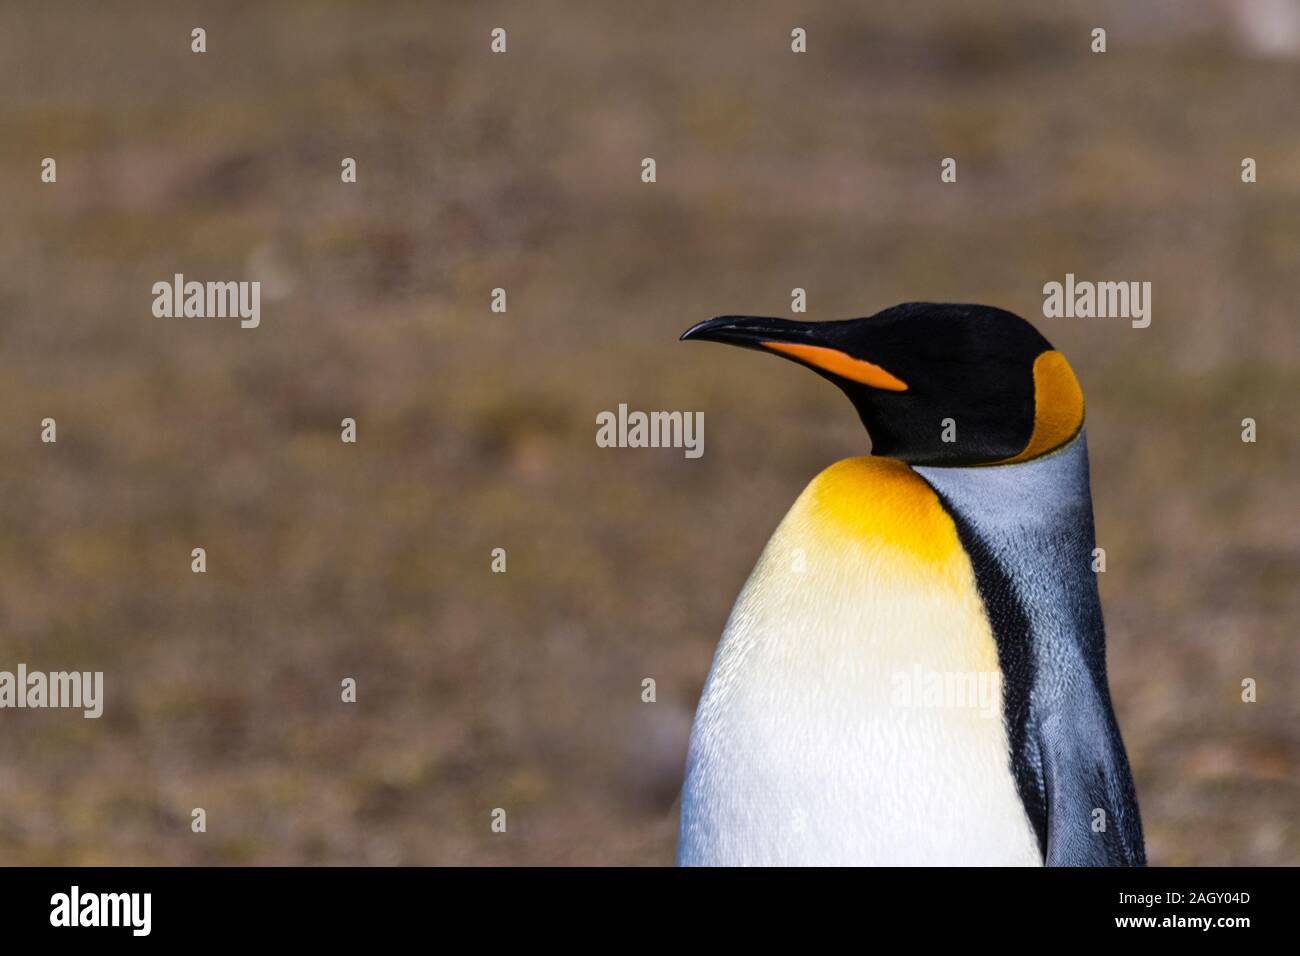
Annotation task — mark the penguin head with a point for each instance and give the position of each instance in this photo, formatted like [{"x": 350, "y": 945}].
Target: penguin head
[{"x": 934, "y": 384}]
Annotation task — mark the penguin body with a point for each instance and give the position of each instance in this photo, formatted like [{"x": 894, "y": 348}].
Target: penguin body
[
  {"x": 914, "y": 672},
  {"x": 800, "y": 753}
]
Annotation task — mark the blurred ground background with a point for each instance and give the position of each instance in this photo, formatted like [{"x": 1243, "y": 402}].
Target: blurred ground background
[{"x": 477, "y": 430}]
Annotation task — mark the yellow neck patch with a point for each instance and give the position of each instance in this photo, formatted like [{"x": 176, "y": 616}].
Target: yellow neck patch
[
  {"x": 1058, "y": 407},
  {"x": 884, "y": 503}
]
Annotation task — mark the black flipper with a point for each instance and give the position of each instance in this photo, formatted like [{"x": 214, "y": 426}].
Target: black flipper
[{"x": 1092, "y": 815}]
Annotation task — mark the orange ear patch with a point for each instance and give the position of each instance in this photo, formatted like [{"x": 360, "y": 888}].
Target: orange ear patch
[
  {"x": 1058, "y": 407},
  {"x": 837, "y": 363}
]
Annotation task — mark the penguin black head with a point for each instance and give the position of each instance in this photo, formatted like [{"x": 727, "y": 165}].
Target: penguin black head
[{"x": 934, "y": 384}]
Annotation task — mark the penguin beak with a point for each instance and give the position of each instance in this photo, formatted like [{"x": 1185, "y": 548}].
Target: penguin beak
[
  {"x": 749, "y": 331},
  {"x": 802, "y": 342}
]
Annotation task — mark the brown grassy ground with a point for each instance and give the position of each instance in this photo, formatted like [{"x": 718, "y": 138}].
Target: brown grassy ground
[{"x": 476, "y": 430}]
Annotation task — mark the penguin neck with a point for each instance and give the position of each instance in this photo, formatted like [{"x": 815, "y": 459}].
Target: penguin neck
[{"x": 1050, "y": 496}]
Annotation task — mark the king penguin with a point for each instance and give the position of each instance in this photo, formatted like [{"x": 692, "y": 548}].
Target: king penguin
[{"x": 914, "y": 673}]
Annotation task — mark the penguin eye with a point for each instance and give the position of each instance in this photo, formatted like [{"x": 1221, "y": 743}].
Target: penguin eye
[{"x": 1058, "y": 407}]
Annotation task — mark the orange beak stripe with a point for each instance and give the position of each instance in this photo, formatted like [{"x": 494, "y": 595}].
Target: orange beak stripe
[{"x": 837, "y": 363}]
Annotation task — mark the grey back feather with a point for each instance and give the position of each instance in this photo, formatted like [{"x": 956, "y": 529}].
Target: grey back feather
[{"x": 1028, "y": 529}]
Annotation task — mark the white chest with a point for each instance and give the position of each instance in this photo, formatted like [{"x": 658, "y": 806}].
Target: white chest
[{"x": 853, "y": 715}]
